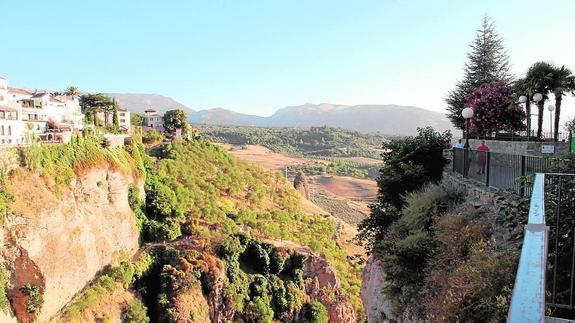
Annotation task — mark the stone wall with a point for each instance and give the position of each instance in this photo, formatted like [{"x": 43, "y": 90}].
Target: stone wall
[{"x": 527, "y": 148}]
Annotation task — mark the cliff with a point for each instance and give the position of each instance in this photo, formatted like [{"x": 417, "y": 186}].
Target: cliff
[{"x": 58, "y": 237}]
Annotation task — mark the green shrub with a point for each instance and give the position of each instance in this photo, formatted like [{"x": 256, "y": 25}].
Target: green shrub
[
  {"x": 151, "y": 137},
  {"x": 260, "y": 311},
  {"x": 3, "y": 285},
  {"x": 35, "y": 298},
  {"x": 135, "y": 312},
  {"x": 314, "y": 312}
]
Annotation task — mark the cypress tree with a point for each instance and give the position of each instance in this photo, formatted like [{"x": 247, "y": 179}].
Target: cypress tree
[
  {"x": 487, "y": 62},
  {"x": 115, "y": 120}
]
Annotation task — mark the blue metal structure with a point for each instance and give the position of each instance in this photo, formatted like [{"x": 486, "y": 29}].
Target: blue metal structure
[{"x": 528, "y": 299}]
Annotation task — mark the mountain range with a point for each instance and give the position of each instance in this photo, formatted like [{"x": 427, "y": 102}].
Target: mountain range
[{"x": 386, "y": 119}]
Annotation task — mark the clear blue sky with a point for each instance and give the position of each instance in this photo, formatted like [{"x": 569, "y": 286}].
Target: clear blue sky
[{"x": 258, "y": 56}]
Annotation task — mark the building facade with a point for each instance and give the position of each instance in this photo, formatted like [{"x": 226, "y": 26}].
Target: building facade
[
  {"x": 25, "y": 113},
  {"x": 153, "y": 120}
]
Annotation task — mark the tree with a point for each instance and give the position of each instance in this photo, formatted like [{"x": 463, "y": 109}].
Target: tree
[
  {"x": 522, "y": 87},
  {"x": 562, "y": 81},
  {"x": 115, "y": 118},
  {"x": 493, "y": 110},
  {"x": 487, "y": 62},
  {"x": 92, "y": 104},
  {"x": 408, "y": 164},
  {"x": 540, "y": 79},
  {"x": 175, "y": 119},
  {"x": 136, "y": 119},
  {"x": 72, "y": 91}
]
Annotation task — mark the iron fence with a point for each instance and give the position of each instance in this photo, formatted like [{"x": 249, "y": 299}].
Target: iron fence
[
  {"x": 499, "y": 170},
  {"x": 560, "y": 216},
  {"x": 524, "y": 136}
]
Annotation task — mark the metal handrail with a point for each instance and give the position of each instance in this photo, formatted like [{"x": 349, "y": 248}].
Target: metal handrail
[{"x": 528, "y": 298}]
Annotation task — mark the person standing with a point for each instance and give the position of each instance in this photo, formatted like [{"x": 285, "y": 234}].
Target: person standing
[
  {"x": 482, "y": 151},
  {"x": 459, "y": 144}
]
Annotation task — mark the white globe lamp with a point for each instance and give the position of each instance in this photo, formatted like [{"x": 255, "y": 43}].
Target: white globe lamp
[
  {"x": 467, "y": 113},
  {"x": 537, "y": 97}
]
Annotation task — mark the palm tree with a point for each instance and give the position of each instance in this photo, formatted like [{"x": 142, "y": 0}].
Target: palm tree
[
  {"x": 72, "y": 91},
  {"x": 562, "y": 82},
  {"x": 521, "y": 87},
  {"x": 540, "y": 79}
]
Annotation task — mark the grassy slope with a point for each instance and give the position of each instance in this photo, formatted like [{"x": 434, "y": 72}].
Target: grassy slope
[{"x": 224, "y": 196}]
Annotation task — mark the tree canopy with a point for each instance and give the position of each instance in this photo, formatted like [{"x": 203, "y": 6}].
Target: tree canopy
[
  {"x": 487, "y": 62},
  {"x": 175, "y": 119},
  {"x": 409, "y": 164}
]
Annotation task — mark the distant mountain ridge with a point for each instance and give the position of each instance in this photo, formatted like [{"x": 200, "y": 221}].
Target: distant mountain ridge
[
  {"x": 386, "y": 119},
  {"x": 139, "y": 102}
]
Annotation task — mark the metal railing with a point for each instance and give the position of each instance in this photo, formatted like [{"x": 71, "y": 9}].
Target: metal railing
[
  {"x": 498, "y": 170},
  {"x": 546, "y": 273},
  {"x": 524, "y": 136},
  {"x": 528, "y": 298},
  {"x": 560, "y": 214}
]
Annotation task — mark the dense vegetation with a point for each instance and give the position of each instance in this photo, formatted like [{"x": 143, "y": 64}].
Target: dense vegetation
[
  {"x": 445, "y": 261},
  {"x": 194, "y": 190},
  {"x": 197, "y": 189},
  {"x": 338, "y": 167},
  {"x": 315, "y": 141},
  {"x": 409, "y": 164}
]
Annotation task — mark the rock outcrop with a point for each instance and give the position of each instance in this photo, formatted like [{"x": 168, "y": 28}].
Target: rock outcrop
[
  {"x": 377, "y": 307},
  {"x": 300, "y": 184},
  {"x": 58, "y": 238}
]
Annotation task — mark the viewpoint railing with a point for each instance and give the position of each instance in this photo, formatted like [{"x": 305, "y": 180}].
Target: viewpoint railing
[
  {"x": 525, "y": 136},
  {"x": 545, "y": 276},
  {"x": 499, "y": 170}
]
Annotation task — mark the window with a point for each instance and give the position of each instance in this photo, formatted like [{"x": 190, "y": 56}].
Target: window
[
  {"x": 1, "y": 98},
  {"x": 2, "y": 131},
  {"x": 9, "y": 130}
]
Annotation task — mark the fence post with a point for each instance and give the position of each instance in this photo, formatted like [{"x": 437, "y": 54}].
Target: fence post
[
  {"x": 453, "y": 159},
  {"x": 465, "y": 162},
  {"x": 522, "y": 191},
  {"x": 487, "y": 166}
]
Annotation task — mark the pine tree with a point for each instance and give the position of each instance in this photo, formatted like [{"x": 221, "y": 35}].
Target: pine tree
[{"x": 487, "y": 62}]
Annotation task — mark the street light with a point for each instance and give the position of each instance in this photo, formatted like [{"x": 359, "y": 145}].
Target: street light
[
  {"x": 537, "y": 97},
  {"x": 467, "y": 113},
  {"x": 523, "y": 100},
  {"x": 551, "y": 107}
]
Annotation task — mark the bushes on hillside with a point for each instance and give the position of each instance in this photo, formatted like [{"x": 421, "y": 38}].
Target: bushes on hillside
[
  {"x": 409, "y": 164},
  {"x": 135, "y": 312},
  {"x": 443, "y": 261},
  {"x": 152, "y": 137},
  {"x": 314, "y": 312},
  {"x": 3, "y": 282}
]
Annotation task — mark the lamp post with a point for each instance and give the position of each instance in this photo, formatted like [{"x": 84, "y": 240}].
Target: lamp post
[
  {"x": 551, "y": 107},
  {"x": 523, "y": 100},
  {"x": 537, "y": 97},
  {"x": 467, "y": 113}
]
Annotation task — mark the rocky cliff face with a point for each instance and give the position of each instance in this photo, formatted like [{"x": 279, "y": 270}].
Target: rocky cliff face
[
  {"x": 377, "y": 306},
  {"x": 58, "y": 238}
]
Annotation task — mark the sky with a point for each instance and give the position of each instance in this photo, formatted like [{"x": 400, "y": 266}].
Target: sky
[{"x": 257, "y": 56}]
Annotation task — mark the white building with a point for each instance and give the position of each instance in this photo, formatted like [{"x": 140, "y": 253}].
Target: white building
[
  {"x": 47, "y": 114},
  {"x": 153, "y": 120},
  {"x": 12, "y": 130},
  {"x": 123, "y": 119}
]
